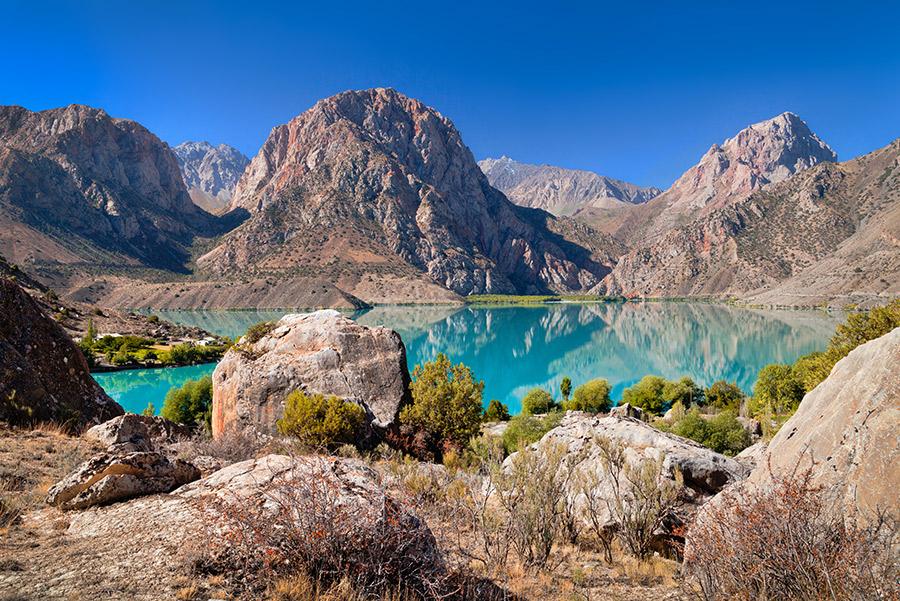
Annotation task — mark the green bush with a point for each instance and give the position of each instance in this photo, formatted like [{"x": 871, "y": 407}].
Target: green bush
[
  {"x": 149, "y": 410},
  {"x": 257, "y": 331},
  {"x": 683, "y": 391},
  {"x": 565, "y": 388},
  {"x": 321, "y": 421},
  {"x": 722, "y": 433},
  {"x": 537, "y": 401},
  {"x": 592, "y": 396},
  {"x": 724, "y": 395},
  {"x": 446, "y": 401},
  {"x": 811, "y": 369},
  {"x": 524, "y": 429},
  {"x": 646, "y": 394},
  {"x": 777, "y": 390},
  {"x": 496, "y": 412},
  {"x": 191, "y": 404}
]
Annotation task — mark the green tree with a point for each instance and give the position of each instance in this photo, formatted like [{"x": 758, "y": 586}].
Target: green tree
[
  {"x": 723, "y": 433},
  {"x": 646, "y": 394},
  {"x": 191, "y": 404},
  {"x": 811, "y": 369},
  {"x": 321, "y": 421},
  {"x": 446, "y": 401},
  {"x": 91, "y": 335},
  {"x": 724, "y": 395},
  {"x": 777, "y": 389},
  {"x": 592, "y": 396},
  {"x": 496, "y": 412},
  {"x": 565, "y": 388},
  {"x": 537, "y": 400},
  {"x": 684, "y": 391}
]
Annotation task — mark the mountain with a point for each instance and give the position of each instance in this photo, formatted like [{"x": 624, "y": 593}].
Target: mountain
[
  {"x": 561, "y": 191},
  {"x": 764, "y": 153},
  {"x": 210, "y": 173},
  {"x": 79, "y": 187},
  {"x": 377, "y": 192},
  {"x": 831, "y": 231}
]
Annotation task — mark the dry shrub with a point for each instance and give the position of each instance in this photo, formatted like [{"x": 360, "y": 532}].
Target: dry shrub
[
  {"x": 790, "y": 541},
  {"x": 314, "y": 528},
  {"x": 231, "y": 447}
]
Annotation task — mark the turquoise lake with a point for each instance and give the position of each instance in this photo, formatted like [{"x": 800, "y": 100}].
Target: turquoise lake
[{"x": 514, "y": 349}]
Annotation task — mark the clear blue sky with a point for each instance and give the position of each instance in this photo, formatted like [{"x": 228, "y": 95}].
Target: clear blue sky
[{"x": 635, "y": 90}]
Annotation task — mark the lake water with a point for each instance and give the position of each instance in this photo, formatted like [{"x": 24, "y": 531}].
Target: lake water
[{"x": 516, "y": 348}]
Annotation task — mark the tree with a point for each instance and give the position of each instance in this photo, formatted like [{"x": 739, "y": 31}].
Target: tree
[
  {"x": 646, "y": 394},
  {"x": 537, "y": 400},
  {"x": 565, "y": 388},
  {"x": 496, "y": 412},
  {"x": 446, "y": 401},
  {"x": 684, "y": 391},
  {"x": 191, "y": 404},
  {"x": 91, "y": 335},
  {"x": 724, "y": 395},
  {"x": 592, "y": 396},
  {"x": 777, "y": 389},
  {"x": 321, "y": 421}
]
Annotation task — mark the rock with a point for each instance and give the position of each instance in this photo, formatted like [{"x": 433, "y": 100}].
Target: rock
[
  {"x": 702, "y": 472},
  {"x": 43, "y": 375},
  {"x": 372, "y": 177},
  {"x": 132, "y": 432},
  {"x": 210, "y": 172},
  {"x": 752, "y": 426},
  {"x": 322, "y": 352},
  {"x": 628, "y": 410},
  {"x": 111, "y": 477},
  {"x": 752, "y": 455},
  {"x": 139, "y": 549},
  {"x": 845, "y": 432}
]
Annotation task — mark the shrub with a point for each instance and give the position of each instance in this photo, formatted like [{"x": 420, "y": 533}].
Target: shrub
[
  {"x": 191, "y": 404},
  {"x": 496, "y": 412},
  {"x": 811, "y": 369},
  {"x": 724, "y": 395},
  {"x": 646, "y": 394},
  {"x": 722, "y": 433},
  {"x": 565, "y": 388},
  {"x": 683, "y": 391},
  {"x": 149, "y": 410},
  {"x": 319, "y": 421},
  {"x": 446, "y": 401},
  {"x": 153, "y": 319},
  {"x": 257, "y": 331},
  {"x": 537, "y": 400},
  {"x": 592, "y": 396},
  {"x": 524, "y": 429},
  {"x": 777, "y": 389},
  {"x": 789, "y": 541}
]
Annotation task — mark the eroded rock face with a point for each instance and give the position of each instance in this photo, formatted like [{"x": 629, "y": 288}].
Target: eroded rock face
[
  {"x": 210, "y": 172},
  {"x": 132, "y": 432},
  {"x": 111, "y": 477},
  {"x": 43, "y": 375},
  {"x": 845, "y": 432},
  {"x": 322, "y": 352},
  {"x": 380, "y": 181},
  {"x": 697, "y": 471}
]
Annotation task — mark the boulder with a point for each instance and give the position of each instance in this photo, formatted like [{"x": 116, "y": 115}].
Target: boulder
[
  {"x": 111, "y": 477},
  {"x": 845, "y": 433},
  {"x": 752, "y": 455},
  {"x": 321, "y": 352},
  {"x": 43, "y": 375},
  {"x": 132, "y": 432},
  {"x": 629, "y": 410},
  {"x": 697, "y": 472},
  {"x": 145, "y": 543}
]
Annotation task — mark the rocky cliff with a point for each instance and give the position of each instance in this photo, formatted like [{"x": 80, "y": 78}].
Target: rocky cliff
[
  {"x": 761, "y": 154},
  {"x": 561, "y": 191},
  {"x": 77, "y": 186},
  {"x": 830, "y": 231},
  {"x": 210, "y": 173},
  {"x": 43, "y": 375},
  {"x": 369, "y": 184}
]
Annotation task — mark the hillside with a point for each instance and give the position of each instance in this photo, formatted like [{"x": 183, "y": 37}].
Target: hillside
[{"x": 210, "y": 173}]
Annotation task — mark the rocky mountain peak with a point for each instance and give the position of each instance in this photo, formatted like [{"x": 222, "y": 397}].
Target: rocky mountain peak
[
  {"x": 210, "y": 172},
  {"x": 375, "y": 177}
]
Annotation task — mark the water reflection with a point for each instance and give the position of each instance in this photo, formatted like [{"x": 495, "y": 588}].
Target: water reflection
[{"x": 515, "y": 348}]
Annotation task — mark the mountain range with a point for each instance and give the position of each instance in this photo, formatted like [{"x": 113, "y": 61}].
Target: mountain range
[{"x": 372, "y": 197}]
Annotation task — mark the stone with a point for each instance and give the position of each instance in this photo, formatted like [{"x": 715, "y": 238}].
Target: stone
[
  {"x": 845, "y": 433},
  {"x": 210, "y": 172},
  {"x": 698, "y": 472},
  {"x": 132, "y": 432},
  {"x": 628, "y": 410},
  {"x": 43, "y": 375},
  {"x": 111, "y": 477},
  {"x": 322, "y": 352}
]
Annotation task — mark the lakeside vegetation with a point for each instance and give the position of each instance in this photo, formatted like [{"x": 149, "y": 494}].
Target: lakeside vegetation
[{"x": 537, "y": 299}]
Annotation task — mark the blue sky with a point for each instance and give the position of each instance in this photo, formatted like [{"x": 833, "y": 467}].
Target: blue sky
[{"x": 634, "y": 90}]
